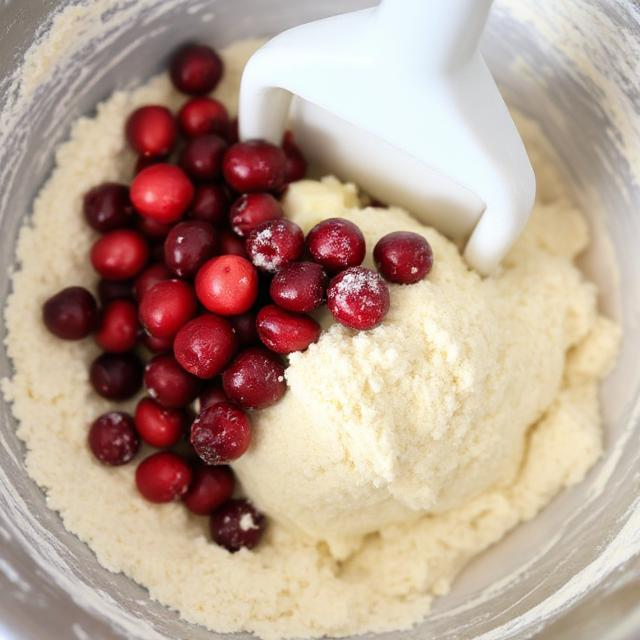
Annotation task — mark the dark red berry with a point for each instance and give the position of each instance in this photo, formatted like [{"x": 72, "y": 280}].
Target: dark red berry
[
  {"x": 296, "y": 167},
  {"x": 157, "y": 345},
  {"x": 252, "y": 209},
  {"x": 116, "y": 376},
  {"x": 403, "y": 257},
  {"x": 211, "y": 204},
  {"x": 71, "y": 314},
  {"x": 196, "y": 69},
  {"x": 119, "y": 255},
  {"x": 274, "y": 244},
  {"x": 285, "y": 332},
  {"x": 188, "y": 246},
  {"x": 231, "y": 244},
  {"x": 109, "y": 290},
  {"x": 151, "y": 131},
  {"x": 152, "y": 229},
  {"x": 118, "y": 328},
  {"x": 107, "y": 207},
  {"x": 336, "y": 244},
  {"x": 146, "y": 161},
  {"x": 299, "y": 287},
  {"x": 166, "y": 307},
  {"x": 169, "y": 384},
  {"x": 200, "y": 116},
  {"x": 113, "y": 438},
  {"x": 245, "y": 328},
  {"x": 210, "y": 487},
  {"x": 255, "y": 166},
  {"x": 163, "y": 477},
  {"x": 233, "y": 134},
  {"x": 237, "y": 525},
  {"x": 150, "y": 277},
  {"x": 202, "y": 157},
  {"x": 159, "y": 426},
  {"x": 212, "y": 394}
]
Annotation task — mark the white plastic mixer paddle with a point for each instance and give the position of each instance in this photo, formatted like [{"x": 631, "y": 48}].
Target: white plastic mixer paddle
[{"x": 399, "y": 100}]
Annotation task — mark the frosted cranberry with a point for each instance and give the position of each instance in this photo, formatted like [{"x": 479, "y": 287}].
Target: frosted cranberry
[
  {"x": 255, "y": 379},
  {"x": 358, "y": 298},
  {"x": 188, "y": 247},
  {"x": 213, "y": 394},
  {"x": 163, "y": 477},
  {"x": 255, "y": 166},
  {"x": 403, "y": 257},
  {"x": 107, "y": 207},
  {"x": 196, "y": 69},
  {"x": 231, "y": 244},
  {"x": 336, "y": 244},
  {"x": 274, "y": 244},
  {"x": 296, "y": 166},
  {"x": 202, "y": 157},
  {"x": 157, "y": 425},
  {"x": 227, "y": 285},
  {"x": 151, "y": 131},
  {"x": 200, "y": 116},
  {"x": 245, "y": 328},
  {"x": 252, "y": 209},
  {"x": 285, "y": 332},
  {"x": 152, "y": 229},
  {"x": 166, "y": 307},
  {"x": 109, "y": 290},
  {"x": 205, "y": 345},
  {"x": 71, "y": 314},
  {"x": 299, "y": 287},
  {"x": 233, "y": 135},
  {"x": 169, "y": 384},
  {"x": 237, "y": 525},
  {"x": 210, "y": 204},
  {"x": 118, "y": 328},
  {"x": 210, "y": 487},
  {"x": 221, "y": 433},
  {"x": 162, "y": 192},
  {"x": 149, "y": 278},
  {"x": 146, "y": 161},
  {"x": 119, "y": 255},
  {"x": 157, "y": 345},
  {"x": 113, "y": 438},
  {"x": 116, "y": 376}
]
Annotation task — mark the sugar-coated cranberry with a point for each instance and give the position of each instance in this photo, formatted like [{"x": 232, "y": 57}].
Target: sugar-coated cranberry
[
  {"x": 231, "y": 244},
  {"x": 116, "y": 376},
  {"x": 403, "y": 257},
  {"x": 166, "y": 307},
  {"x": 227, "y": 285},
  {"x": 202, "y": 157},
  {"x": 255, "y": 379},
  {"x": 71, "y": 314},
  {"x": 151, "y": 131},
  {"x": 118, "y": 327},
  {"x": 212, "y": 394},
  {"x": 200, "y": 116},
  {"x": 188, "y": 246},
  {"x": 113, "y": 438},
  {"x": 237, "y": 525},
  {"x": 274, "y": 244},
  {"x": 107, "y": 207},
  {"x": 296, "y": 167},
  {"x": 150, "y": 277},
  {"x": 168, "y": 383},
  {"x": 196, "y": 69},
  {"x": 245, "y": 327},
  {"x": 221, "y": 433},
  {"x": 156, "y": 345},
  {"x": 205, "y": 345},
  {"x": 119, "y": 255},
  {"x": 163, "y": 477},
  {"x": 255, "y": 165},
  {"x": 299, "y": 287},
  {"x": 211, "y": 204},
  {"x": 252, "y": 209},
  {"x": 285, "y": 332},
  {"x": 336, "y": 244},
  {"x": 159, "y": 426},
  {"x": 109, "y": 290},
  {"x": 162, "y": 192},
  {"x": 152, "y": 229},
  {"x": 210, "y": 487},
  {"x": 358, "y": 298}
]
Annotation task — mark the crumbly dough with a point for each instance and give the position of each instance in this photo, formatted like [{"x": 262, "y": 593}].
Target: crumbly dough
[{"x": 463, "y": 415}]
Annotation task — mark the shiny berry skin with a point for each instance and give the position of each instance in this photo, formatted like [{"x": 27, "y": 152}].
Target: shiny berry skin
[
  {"x": 211, "y": 204},
  {"x": 221, "y": 433},
  {"x": 71, "y": 314},
  {"x": 237, "y": 525},
  {"x": 118, "y": 328},
  {"x": 151, "y": 229},
  {"x": 358, "y": 298},
  {"x": 150, "y": 277},
  {"x": 169, "y": 384},
  {"x": 252, "y": 209},
  {"x": 116, "y": 376},
  {"x": 403, "y": 257},
  {"x": 212, "y": 394},
  {"x": 188, "y": 246},
  {"x": 163, "y": 477},
  {"x": 231, "y": 244},
  {"x": 274, "y": 244},
  {"x": 255, "y": 165},
  {"x": 151, "y": 131},
  {"x": 113, "y": 438},
  {"x": 336, "y": 244},
  {"x": 205, "y": 345},
  {"x": 255, "y": 379},
  {"x": 156, "y": 345},
  {"x": 299, "y": 287},
  {"x": 119, "y": 255},
  {"x": 200, "y": 116},
  {"x": 109, "y": 290},
  {"x": 245, "y": 328},
  {"x": 157, "y": 425},
  {"x": 285, "y": 332},
  {"x": 162, "y": 192},
  {"x": 296, "y": 167},
  {"x": 202, "y": 157},
  {"x": 227, "y": 285},
  {"x": 107, "y": 207},
  {"x": 196, "y": 69},
  {"x": 166, "y": 307},
  {"x": 210, "y": 488}
]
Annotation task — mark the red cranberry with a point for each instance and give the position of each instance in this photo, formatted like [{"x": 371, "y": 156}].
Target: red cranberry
[
  {"x": 152, "y": 229},
  {"x": 210, "y": 487},
  {"x": 169, "y": 384},
  {"x": 116, "y": 376},
  {"x": 200, "y": 116},
  {"x": 157, "y": 345},
  {"x": 151, "y": 131},
  {"x": 157, "y": 425},
  {"x": 107, "y": 207},
  {"x": 336, "y": 244},
  {"x": 210, "y": 204},
  {"x": 109, "y": 290},
  {"x": 145, "y": 161},
  {"x": 403, "y": 257},
  {"x": 245, "y": 328},
  {"x": 149, "y": 278},
  {"x": 255, "y": 379},
  {"x": 227, "y": 285},
  {"x": 71, "y": 314},
  {"x": 255, "y": 166},
  {"x": 113, "y": 438},
  {"x": 252, "y": 209},
  {"x": 202, "y": 157},
  {"x": 221, "y": 433},
  {"x": 166, "y": 307},
  {"x": 231, "y": 244},
  {"x": 299, "y": 287},
  {"x": 213, "y": 394},
  {"x": 237, "y": 525},
  {"x": 296, "y": 167},
  {"x": 188, "y": 247},
  {"x": 358, "y": 298},
  {"x": 162, "y": 192},
  {"x": 196, "y": 69},
  {"x": 118, "y": 329},
  {"x": 274, "y": 244},
  {"x": 285, "y": 332},
  {"x": 163, "y": 477},
  {"x": 119, "y": 255},
  {"x": 233, "y": 134},
  {"x": 205, "y": 345}
]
